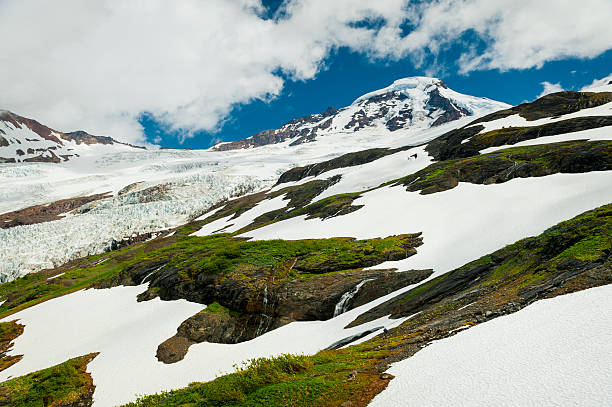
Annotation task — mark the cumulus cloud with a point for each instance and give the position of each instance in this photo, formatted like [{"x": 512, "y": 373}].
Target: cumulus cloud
[
  {"x": 98, "y": 65},
  {"x": 517, "y": 35},
  {"x": 550, "y": 88}
]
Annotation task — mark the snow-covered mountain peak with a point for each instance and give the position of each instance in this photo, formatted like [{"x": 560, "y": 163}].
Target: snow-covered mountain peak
[
  {"x": 409, "y": 86},
  {"x": 413, "y": 103},
  {"x": 26, "y": 140}
]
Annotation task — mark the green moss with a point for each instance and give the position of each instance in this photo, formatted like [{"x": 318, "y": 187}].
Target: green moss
[
  {"x": 58, "y": 385},
  {"x": 434, "y": 174},
  {"x": 222, "y": 253},
  {"x": 217, "y": 308},
  {"x": 589, "y": 249}
]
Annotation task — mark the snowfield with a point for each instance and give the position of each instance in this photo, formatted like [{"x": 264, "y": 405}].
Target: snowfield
[
  {"x": 527, "y": 358},
  {"x": 600, "y": 133},
  {"x": 167, "y": 189},
  {"x": 555, "y": 352},
  {"x": 519, "y": 121},
  {"x": 127, "y": 333},
  {"x": 461, "y": 224},
  {"x": 416, "y": 88}
]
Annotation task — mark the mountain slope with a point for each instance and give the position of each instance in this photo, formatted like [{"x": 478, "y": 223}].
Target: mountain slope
[
  {"x": 139, "y": 192},
  {"x": 414, "y": 234},
  {"x": 26, "y": 140},
  {"x": 413, "y": 103}
]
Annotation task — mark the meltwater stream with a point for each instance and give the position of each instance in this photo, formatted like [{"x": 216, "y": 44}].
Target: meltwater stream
[{"x": 343, "y": 304}]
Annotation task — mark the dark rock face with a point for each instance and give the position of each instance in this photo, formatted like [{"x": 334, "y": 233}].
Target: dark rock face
[
  {"x": 251, "y": 297},
  {"x": 466, "y": 142},
  {"x": 400, "y": 120},
  {"x": 346, "y": 160},
  {"x": 252, "y": 311},
  {"x": 300, "y": 128},
  {"x": 519, "y": 162},
  {"x": 449, "y": 110},
  {"x": 350, "y": 339},
  {"x": 81, "y": 137},
  {"x": 552, "y": 105}
]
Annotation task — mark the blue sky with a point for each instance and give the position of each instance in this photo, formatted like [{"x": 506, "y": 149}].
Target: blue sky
[
  {"x": 157, "y": 71},
  {"x": 347, "y": 75}
]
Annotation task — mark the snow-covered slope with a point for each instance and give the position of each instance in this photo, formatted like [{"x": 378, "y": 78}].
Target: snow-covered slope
[
  {"x": 26, "y": 140},
  {"x": 166, "y": 189},
  {"x": 466, "y": 209},
  {"x": 555, "y": 352},
  {"x": 410, "y": 103}
]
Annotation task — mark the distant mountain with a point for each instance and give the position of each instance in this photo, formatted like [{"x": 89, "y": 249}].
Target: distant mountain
[
  {"x": 487, "y": 236},
  {"x": 409, "y": 103},
  {"x": 26, "y": 140}
]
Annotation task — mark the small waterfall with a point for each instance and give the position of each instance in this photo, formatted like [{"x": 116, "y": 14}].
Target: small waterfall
[
  {"x": 343, "y": 304},
  {"x": 265, "y": 297},
  {"x": 151, "y": 273},
  {"x": 261, "y": 328}
]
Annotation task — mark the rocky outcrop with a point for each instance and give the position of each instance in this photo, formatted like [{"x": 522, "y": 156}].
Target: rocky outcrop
[
  {"x": 65, "y": 385},
  {"x": 552, "y": 105},
  {"x": 571, "y": 256},
  {"x": 345, "y": 160},
  {"x": 9, "y": 331},
  {"x": 302, "y": 129},
  {"x": 252, "y": 287},
  {"x": 467, "y": 142},
  {"x": 518, "y": 162},
  {"x": 46, "y": 213},
  {"x": 252, "y": 311}
]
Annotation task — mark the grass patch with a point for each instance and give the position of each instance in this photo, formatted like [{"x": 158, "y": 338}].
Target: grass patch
[
  {"x": 58, "y": 385},
  {"x": 287, "y": 380}
]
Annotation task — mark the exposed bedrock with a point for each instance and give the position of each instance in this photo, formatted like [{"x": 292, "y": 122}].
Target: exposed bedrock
[
  {"x": 252, "y": 287},
  {"x": 250, "y": 308}
]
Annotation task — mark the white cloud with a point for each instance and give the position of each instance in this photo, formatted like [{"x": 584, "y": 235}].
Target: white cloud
[
  {"x": 550, "y": 88},
  {"x": 97, "y": 65},
  {"x": 519, "y": 34}
]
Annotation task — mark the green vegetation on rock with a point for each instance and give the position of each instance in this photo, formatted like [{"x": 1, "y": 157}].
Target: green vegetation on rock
[
  {"x": 8, "y": 332},
  {"x": 573, "y": 255},
  {"x": 222, "y": 253},
  {"x": 214, "y": 254},
  {"x": 515, "y": 162},
  {"x": 576, "y": 254},
  {"x": 65, "y": 384},
  {"x": 553, "y": 105}
]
